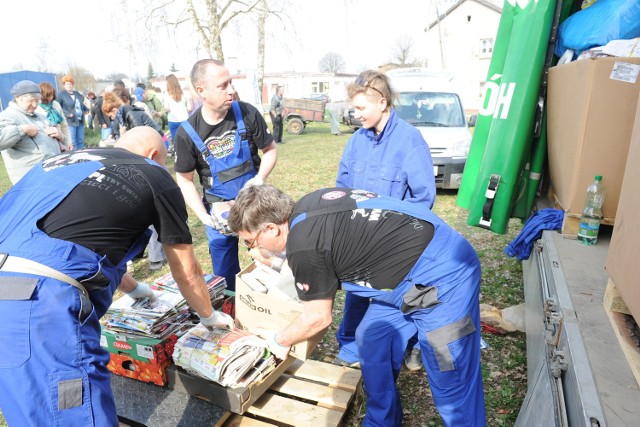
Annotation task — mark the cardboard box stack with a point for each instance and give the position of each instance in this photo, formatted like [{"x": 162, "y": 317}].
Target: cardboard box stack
[
  {"x": 591, "y": 108},
  {"x": 622, "y": 264}
]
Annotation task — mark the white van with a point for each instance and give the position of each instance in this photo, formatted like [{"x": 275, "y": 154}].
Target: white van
[{"x": 427, "y": 100}]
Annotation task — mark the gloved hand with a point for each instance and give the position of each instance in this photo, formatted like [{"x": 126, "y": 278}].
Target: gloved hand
[
  {"x": 280, "y": 351},
  {"x": 256, "y": 180},
  {"x": 217, "y": 320},
  {"x": 142, "y": 291}
]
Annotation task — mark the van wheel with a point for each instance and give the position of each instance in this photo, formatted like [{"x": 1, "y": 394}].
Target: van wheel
[{"x": 295, "y": 126}]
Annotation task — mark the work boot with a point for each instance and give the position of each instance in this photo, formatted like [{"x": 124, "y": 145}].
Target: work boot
[
  {"x": 340, "y": 362},
  {"x": 412, "y": 359}
]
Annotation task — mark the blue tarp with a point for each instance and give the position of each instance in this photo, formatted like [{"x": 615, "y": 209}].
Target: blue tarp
[{"x": 7, "y": 80}]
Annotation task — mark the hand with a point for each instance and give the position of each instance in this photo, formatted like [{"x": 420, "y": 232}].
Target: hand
[
  {"x": 207, "y": 220},
  {"x": 217, "y": 320},
  {"x": 256, "y": 180},
  {"x": 30, "y": 130},
  {"x": 278, "y": 350},
  {"x": 142, "y": 291},
  {"x": 52, "y": 131}
]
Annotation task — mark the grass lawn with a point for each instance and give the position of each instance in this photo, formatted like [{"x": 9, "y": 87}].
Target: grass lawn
[{"x": 310, "y": 161}]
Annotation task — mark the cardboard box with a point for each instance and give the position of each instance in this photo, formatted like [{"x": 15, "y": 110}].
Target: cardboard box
[
  {"x": 147, "y": 350},
  {"x": 256, "y": 310},
  {"x": 126, "y": 366},
  {"x": 622, "y": 260},
  {"x": 234, "y": 399},
  {"x": 591, "y": 108}
]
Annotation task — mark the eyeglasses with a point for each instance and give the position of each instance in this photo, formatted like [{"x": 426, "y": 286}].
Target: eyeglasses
[
  {"x": 360, "y": 81},
  {"x": 250, "y": 244}
]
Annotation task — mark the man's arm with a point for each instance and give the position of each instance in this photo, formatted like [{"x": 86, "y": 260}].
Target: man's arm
[
  {"x": 268, "y": 162},
  {"x": 190, "y": 194},
  {"x": 315, "y": 317},
  {"x": 188, "y": 275}
]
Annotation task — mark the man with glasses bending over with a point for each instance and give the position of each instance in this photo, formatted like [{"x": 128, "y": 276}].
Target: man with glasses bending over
[
  {"x": 387, "y": 156},
  {"x": 26, "y": 137},
  {"x": 420, "y": 275}
]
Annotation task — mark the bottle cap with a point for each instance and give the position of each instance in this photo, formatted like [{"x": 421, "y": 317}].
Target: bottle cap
[{"x": 598, "y": 177}]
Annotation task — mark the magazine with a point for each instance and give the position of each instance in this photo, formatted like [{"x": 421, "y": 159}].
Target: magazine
[
  {"x": 219, "y": 214},
  {"x": 233, "y": 358}
]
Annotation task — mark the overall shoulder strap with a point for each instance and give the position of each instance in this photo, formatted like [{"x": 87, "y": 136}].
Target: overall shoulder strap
[
  {"x": 242, "y": 130},
  {"x": 194, "y": 136}
]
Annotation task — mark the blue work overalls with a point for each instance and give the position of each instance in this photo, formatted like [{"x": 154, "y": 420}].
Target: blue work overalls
[
  {"x": 53, "y": 370},
  {"x": 439, "y": 299},
  {"x": 228, "y": 175}
]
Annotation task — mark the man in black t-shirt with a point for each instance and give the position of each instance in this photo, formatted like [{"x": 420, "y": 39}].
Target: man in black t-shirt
[
  {"x": 420, "y": 274},
  {"x": 67, "y": 230},
  {"x": 222, "y": 136}
]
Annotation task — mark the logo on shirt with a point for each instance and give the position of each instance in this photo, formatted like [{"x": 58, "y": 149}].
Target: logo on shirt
[
  {"x": 221, "y": 146},
  {"x": 360, "y": 195},
  {"x": 333, "y": 195},
  {"x": 302, "y": 287},
  {"x": 68, "y": 159}
]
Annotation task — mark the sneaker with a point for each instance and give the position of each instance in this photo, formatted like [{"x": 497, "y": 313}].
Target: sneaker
[
  {"x": 340, "y": 362},
  {"x": 155, "y": 266},
  {"x": 412, "y": 359}
]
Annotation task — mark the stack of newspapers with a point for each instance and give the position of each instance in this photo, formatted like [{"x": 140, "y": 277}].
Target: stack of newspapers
[
  {"x": 231, "y": 358},
  {"x": 219, "y": 214},
  {"x": 277, "y": 282},
  {"x": 159, "y": 317}
]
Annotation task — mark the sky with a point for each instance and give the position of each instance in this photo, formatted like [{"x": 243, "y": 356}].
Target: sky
[{"x": 110, "y": 36}]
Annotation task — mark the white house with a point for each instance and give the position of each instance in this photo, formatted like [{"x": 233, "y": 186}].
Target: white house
[{"x": 460, "y": 40}]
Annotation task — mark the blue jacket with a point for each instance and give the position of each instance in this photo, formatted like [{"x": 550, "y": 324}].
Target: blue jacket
[{"x": 396, "y": 163}]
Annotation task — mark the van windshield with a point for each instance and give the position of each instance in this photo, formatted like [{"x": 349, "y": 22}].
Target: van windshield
[{"x": 430, "y": 109}]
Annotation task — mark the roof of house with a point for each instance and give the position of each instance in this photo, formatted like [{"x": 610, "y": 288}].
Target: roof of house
[{"x": 486, "y": 3}]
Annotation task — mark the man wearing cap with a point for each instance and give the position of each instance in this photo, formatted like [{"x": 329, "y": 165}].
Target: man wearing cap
[{"x": 26, "y": 138}]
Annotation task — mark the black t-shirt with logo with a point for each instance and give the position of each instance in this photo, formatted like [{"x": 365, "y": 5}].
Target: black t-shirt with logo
[
  {"x": 375, "y": 248},
  {"x": 108, "y": 211},
  {"x": 220, "y": 139}
]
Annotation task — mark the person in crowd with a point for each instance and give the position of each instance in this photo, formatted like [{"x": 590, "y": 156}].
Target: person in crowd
[
  {"x": 90, "y": 103},
  {"x": 336, "y": 111},
  {"x": 220, "y": 142},
  {"x": 176, "y": 104},
  {"x": 389, "y": 157},
  {"x": 276, "y": 109},
  {"x": 419, "y": 273},
  {"x": 51, "y": 109},
  {"x": 138, "y": 93},
  {"x": 72, "y": 103},
  {"x": 102, "y": 119},
  {"x": 153, "y": 102},
  {"x": 195, "y": 101},
  {"x": 64, "y": 253},
  {"x": 116, "y": 105},
  {"x": 26, "y": 137}
]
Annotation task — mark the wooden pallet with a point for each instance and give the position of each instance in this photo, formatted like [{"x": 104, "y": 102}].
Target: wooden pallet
[
  {"x": 618, "y": 314},
  {"x": 310, "y": 393},
  {"x": 571, "y": 222}
]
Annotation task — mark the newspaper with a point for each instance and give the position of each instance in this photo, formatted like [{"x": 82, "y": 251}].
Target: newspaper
[
  {"x": 219, "y": 214},
  {"x": 230, "y": 358},
  {"x": 165, "y": 314},
  {"x": 266, "y": 280}
]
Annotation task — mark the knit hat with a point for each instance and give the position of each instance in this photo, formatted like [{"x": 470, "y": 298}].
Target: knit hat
[
  {"x": 138, "y": 92},
  {"x": 23, "y": 87}
]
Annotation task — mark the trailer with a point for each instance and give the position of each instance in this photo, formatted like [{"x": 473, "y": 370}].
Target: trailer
[{"x": 299, "y": 112}]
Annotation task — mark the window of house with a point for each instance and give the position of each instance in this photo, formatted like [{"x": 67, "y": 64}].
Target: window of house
[
  {"x": 486, "y": 46},
  {"x": 319, "y": 87}
]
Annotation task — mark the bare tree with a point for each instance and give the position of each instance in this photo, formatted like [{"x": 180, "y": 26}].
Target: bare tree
[
  {"x": 43, "y": 53},
  {"x": 332, "y": 62},
  {"x": 401, "y": 50},
  {"x": 210, "y": 18},
  {"x": 84, "y": 79}
]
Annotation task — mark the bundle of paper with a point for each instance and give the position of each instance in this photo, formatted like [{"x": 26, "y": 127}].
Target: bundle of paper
[
  {"x": 230, "y": 358},
  {"x": 165, "y": 314},
  {"x": 266, "y": 280},
  {"x": 219, "y": 214}
]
